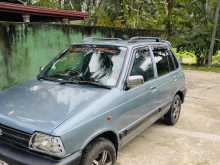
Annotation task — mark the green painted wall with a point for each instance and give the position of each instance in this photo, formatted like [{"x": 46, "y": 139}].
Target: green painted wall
[{"x": 26, "y": 47}]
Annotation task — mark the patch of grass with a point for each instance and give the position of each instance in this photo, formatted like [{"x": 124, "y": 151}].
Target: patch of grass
[
  {"x": 189, "y": 57},
  {"x": 216, "y": 58},
  {"x": 213, "y": 68},
  {"x": 185, "y": 56},
  {"x": 188, "y": 61}
]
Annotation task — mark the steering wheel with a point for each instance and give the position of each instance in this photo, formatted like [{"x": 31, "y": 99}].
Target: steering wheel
[{"x": 73, "y": 72}]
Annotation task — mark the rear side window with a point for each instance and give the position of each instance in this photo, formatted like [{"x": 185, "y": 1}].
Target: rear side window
[{"x": 161, "y": 60}]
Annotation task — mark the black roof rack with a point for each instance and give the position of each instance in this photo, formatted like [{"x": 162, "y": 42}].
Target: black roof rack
[
  {"x": 131, "y": 40},
  {"x": 167, "y": 42},
  {"x": 135, "y": 39},
  {"x": 90, "y": 39}
]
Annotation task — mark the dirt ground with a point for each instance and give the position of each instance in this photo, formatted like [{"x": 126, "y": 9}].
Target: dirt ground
[{"x": 195, "y": 140}]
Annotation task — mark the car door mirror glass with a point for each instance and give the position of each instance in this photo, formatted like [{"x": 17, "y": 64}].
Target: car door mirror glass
[
  {"x": 134, "y": 81},
  {"x": 41, "y": 68}
]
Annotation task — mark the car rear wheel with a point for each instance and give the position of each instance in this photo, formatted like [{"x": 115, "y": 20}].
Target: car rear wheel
[
  {"x": 99, "y": 152},
  {"x": 173, "y": 114}
]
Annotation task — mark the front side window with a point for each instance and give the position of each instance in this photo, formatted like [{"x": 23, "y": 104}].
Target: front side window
[
  {"x": 143, "y": 65},
  {"x": 93, "y": 63},
  {"x": 161, "y": 59}
]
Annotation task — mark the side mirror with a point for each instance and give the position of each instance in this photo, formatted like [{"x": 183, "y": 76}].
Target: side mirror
[
  {"x": 134, "y": 81},
  {"x": 41, "y": 68}
]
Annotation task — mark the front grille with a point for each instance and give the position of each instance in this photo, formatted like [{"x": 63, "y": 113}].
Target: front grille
[{"x": 14, "y": 137}]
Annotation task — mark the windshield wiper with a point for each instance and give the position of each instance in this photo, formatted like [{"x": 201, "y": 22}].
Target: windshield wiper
[
  {"x": 84, "y": 83},
  {"x": 69, "y": 82},
  {"x": 94, "y": 84}
]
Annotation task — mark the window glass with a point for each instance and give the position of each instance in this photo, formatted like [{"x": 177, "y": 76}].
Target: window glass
[
  {"x": 161, "y": 60},
  {"x": 98, "y": 64},
  {"x": 175, "y": 60},
  {"x": 143, "y": 65},
  {"x": 171, "y": 63}
]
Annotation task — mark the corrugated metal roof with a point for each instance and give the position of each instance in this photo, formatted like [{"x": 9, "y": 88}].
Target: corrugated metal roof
[{"x": 41, "y": 11}]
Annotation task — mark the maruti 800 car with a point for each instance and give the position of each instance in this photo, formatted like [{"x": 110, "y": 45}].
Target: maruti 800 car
[{"x": 89, "y": 101}]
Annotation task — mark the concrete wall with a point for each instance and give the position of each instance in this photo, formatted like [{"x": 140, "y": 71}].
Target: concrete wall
[{"x": 26, "y": 47}]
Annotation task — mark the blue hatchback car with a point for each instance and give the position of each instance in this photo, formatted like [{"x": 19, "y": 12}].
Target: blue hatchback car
[{"x": 89, "y": 101}]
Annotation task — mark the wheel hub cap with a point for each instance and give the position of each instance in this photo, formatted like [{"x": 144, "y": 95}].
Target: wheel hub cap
[
  {"x": 104, "y": 158},
  {"x": 176, "y": 109}
]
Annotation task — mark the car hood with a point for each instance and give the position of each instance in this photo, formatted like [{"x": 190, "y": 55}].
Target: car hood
[{"x": 43, "y": 105}]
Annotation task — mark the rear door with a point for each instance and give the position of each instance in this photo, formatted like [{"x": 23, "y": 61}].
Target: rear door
[
  {"x": 165, "y": 79},
  {"x": 178, "y": 75},
  {"x": 175, "y": 73}
]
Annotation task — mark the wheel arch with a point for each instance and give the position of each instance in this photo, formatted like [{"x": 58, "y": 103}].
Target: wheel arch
[
  {"x": 107, "y": 134},
  {"x": 181, "y": 94}
]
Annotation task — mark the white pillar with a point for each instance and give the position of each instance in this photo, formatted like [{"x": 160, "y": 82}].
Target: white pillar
[
  {"x": 26, "y": 18},
  {"x": 66, "y": 21}
]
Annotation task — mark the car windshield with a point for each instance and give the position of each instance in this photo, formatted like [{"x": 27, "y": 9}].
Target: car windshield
[{"x": 88, "y": 63}]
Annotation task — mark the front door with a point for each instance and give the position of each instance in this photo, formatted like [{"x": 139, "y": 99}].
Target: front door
[{"x": 138, "y": 102}]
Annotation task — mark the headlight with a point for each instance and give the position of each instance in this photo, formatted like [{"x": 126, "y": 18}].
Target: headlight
[{"x": 47, "y": 144}]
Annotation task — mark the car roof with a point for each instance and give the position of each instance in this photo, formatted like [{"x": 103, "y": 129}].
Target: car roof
[{"x": 133, "y": 42}]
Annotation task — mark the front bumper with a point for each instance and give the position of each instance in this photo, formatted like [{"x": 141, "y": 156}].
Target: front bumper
[{"x": 16, "y": 156}]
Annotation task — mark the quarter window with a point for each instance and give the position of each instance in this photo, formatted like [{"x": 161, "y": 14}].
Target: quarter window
[
  {"x": 175, "y": 60},
  {"x": 171, "y": 63},
  {"x": 143, "y": 65}
]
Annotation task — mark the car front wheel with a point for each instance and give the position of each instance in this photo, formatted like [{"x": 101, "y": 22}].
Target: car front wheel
[{"x": 99, "y": 152}]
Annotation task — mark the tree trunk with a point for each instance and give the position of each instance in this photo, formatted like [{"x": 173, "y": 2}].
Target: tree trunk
[
  {"x": 214, "y": 34},
  {"x": 169, "y": 17}
]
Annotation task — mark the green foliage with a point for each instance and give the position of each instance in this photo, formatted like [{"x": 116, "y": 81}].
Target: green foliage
[
  {"x": 196, "y": 37},
  {"x": 197, "y": 42},
  {"x": 47, "y": 3},
  {"x": 188, "y": 24},
  {"x": 216, "y": 58},
  {"x": 185, "y": 57}
]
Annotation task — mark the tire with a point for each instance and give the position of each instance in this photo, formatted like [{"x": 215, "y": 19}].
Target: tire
[
  {"x": 99, "y": 152},
  {"x": 173, "y": 114}
]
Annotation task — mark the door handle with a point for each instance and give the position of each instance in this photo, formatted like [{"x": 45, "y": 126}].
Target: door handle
[
  {"x": 174, "y": 78},
  {"x": 153, "y": 89}
]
